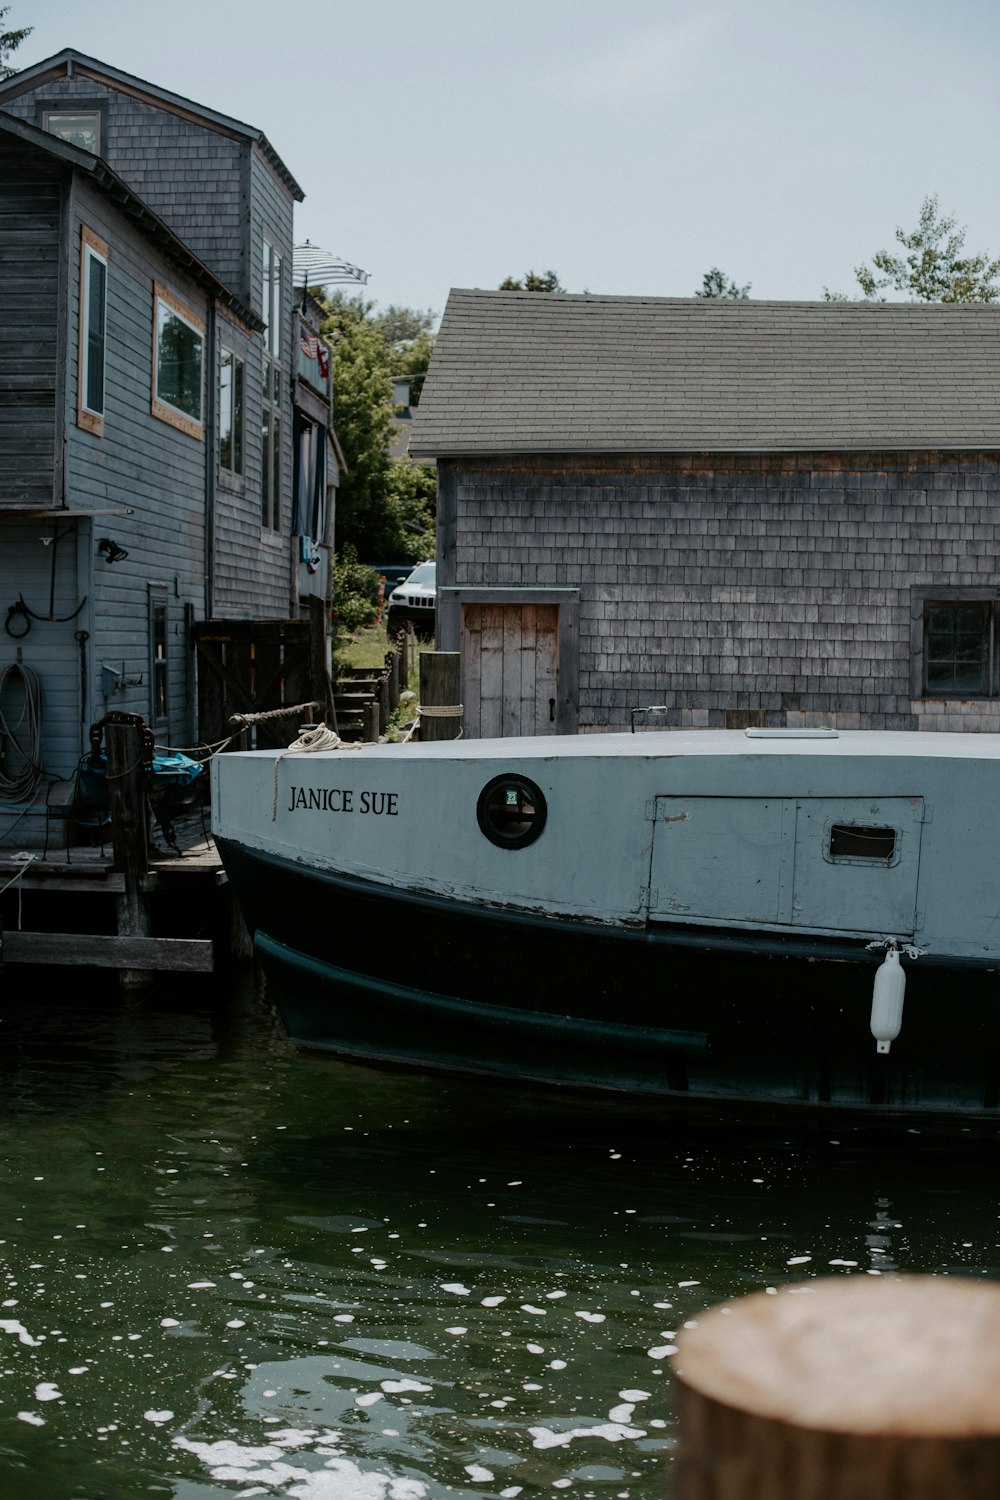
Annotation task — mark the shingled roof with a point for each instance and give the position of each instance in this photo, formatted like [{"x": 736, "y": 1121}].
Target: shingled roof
[{"x": 538, "y": 372}]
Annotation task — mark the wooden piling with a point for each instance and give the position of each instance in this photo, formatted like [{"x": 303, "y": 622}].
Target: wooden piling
[
  {"x": 127, "y": 802},
  {"x": 858, "y": 1388},
  {"x": 440, "y": 691},
  {"x": 370, "y": 731}
]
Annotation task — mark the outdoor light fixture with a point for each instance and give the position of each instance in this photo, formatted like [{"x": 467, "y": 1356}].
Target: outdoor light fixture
[{"x": 111, "y": 550}]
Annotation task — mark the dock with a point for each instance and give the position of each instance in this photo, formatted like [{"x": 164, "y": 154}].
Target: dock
[{"x": 137, "y": 879}]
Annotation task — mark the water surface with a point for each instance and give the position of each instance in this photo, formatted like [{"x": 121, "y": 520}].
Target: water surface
[{"x": 232, "y": 1271}]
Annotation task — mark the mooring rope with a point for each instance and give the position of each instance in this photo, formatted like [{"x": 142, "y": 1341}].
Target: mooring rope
[
  {"x": 245, "y": 720},
  {"x": 24, "y": 859},
  {"x": 317, "y": 738}
]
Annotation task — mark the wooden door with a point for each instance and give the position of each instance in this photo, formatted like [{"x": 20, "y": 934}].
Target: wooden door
[{"x": 510, "y": 669}]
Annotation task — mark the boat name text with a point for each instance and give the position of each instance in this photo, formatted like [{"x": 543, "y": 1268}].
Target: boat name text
[{"x": 342, "y": 799}]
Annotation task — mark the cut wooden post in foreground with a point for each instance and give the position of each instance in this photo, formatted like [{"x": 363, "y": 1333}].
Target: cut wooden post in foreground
[
  {"x": 440, "y": 695},
  {"x": 127, "y": 802},
  {"x": 844, "y": 1389}
]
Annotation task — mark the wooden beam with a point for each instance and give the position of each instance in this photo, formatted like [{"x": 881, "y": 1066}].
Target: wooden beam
[{"x": 108, "y": 952}]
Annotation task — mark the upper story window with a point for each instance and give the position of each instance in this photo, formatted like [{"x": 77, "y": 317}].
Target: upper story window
[
  {"x": 93, "y": 331},
  {"x": 231, "y": 388},
  {"x": 178, "y": 363},
  {"x": 270, "y": 302},
  {"x": 79, "y": 127},
  {"x": 271, "y": 451}
]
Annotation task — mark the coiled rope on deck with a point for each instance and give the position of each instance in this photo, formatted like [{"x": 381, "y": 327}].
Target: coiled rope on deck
[
  {"x": 21, "y": 770},
  {"x": 316, "y": 738}
]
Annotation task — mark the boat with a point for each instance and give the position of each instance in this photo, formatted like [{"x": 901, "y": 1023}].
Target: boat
[{"x": 787, "y": 917}]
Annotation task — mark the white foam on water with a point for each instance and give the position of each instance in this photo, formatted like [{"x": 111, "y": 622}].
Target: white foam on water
[
  {"x": 46, "y": 1391},
  {"x": 10, "y": 1325},
  {"x": 157, "y": 1417},
  {"x": 539, "y": 1312},
  {"x": 492, "y": 1301},
  {"x": 456, "y": 1331},
  {"x": 662, "y": 1351},
  {"x": 455, "y": 1287},
  {"x": 589, "y": 1317},
  {"x": 635, "y": 1395},
  {"x": 611, "y": 1432},
  {"x": 477, "y": 1473},
  {"x": 339, "y": 1478},
  {"x": 394, "y": 1387},
  {"x": 368, "y": 1399},
  {"x": 32, "y": 1418},
  {"x": 201, "y": 1286}
]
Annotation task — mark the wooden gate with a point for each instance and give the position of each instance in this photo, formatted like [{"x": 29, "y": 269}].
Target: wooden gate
[
  {"x": 510, "y": 669},
  {"x": 252, "y": 666}
]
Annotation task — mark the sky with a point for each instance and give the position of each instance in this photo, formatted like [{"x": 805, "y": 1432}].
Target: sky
[{"x": 629, "y": 146}]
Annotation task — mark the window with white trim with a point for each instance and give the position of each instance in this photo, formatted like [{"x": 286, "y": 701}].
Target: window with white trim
[
  {"x": 92, "y": 331},
  {"x": 231, "y": 388},
  {"x": 271, "y": 390},
  {"x": 80, "y": 127},
  {"x": 178, "y": 363}
]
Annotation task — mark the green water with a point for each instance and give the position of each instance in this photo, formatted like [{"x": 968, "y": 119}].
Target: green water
[{"x": 232, "y": 1271}]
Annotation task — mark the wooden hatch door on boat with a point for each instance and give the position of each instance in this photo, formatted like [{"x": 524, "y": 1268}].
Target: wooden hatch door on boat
[
  {"x": 845, "y": 864},
  {"x": 510, "y": 669}
]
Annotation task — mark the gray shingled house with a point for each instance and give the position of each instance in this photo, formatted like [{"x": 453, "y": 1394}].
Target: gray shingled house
[
  {"x": 166, "y": 448},
  {"x": 748, "y": 512}
]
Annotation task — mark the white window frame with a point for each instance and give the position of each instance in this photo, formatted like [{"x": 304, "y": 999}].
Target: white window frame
[{"x": 228, "y": 408}]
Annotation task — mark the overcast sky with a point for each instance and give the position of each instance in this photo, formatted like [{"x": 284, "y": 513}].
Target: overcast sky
[{"x": 629, "y": 146}]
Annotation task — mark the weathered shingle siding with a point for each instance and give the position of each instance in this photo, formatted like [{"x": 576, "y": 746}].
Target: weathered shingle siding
[
  {"x": 251, "y": 564},
  {"x": 30, "y": 198},
  {"x": 189, "y": 174},
  {"x": 718, "y": 583}
]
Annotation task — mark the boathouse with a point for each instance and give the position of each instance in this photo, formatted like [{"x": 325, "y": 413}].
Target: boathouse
[
  {"x": 167, "y": 459},
  {"x": 747, "y": 513}
]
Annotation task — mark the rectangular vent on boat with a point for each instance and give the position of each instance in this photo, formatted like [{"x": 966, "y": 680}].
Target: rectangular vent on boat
[{"x": 861, "y": 841}]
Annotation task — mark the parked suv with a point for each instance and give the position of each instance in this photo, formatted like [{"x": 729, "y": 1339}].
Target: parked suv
[{"x": 412, "y": 603}]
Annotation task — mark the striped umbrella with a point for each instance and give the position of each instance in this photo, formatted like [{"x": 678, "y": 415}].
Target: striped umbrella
[{"x": 313, "y": 266}]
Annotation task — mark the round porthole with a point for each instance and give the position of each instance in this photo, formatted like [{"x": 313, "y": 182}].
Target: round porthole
[{"x": 511, "y": 811}]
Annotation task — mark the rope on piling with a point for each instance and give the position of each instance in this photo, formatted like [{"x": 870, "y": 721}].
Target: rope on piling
[{"x": 245, "y": 720}]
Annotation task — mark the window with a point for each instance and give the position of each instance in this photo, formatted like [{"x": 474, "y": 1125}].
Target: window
[
  {"x": 93, "y": 332},
  {"x": 178, "y": 358},
  {"x": 958, "y": 649},
  {"x": 862, "y": 843},
  {"x": 231, "y": 413},
  {"x": 271, "y": 386},
  {"x": 79, "y": 127},
  {"x": 511, "y": 811},
  {"x": 159, "y": 695}
]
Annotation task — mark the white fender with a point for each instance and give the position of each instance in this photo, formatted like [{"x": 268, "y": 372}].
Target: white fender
[{"x": 887, "y": 1001}]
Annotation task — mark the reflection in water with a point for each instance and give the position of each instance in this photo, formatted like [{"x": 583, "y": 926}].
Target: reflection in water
[{"x": 228, "y": 1270}]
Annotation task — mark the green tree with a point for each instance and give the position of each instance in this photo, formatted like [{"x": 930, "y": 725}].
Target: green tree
[
  {"x": 934, "y": 268},
  {"x": 383, "y": 510},
  {"x": 715, "y": 284},
  {"x": 532, "y": 281},
  {"x": 9, "y": 42}
]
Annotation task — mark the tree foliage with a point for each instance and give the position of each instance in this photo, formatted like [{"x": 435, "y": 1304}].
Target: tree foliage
[
  {"x": 385, "y": 506},
  {"x": 9, "y": 42},
  {"x": 714, "y": 283},
  {"x": 934, "y": 268},
  {"x": 532, "y": 281}
]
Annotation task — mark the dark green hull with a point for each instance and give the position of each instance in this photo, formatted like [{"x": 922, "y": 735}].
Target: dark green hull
[{"x": 683, "y": 1014}]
